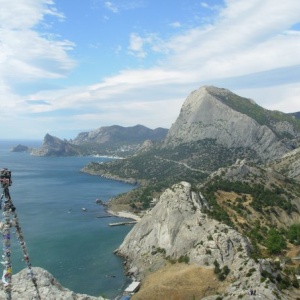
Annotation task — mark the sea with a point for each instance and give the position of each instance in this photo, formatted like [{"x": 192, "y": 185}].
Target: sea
[{"x": 61, "y": 222}]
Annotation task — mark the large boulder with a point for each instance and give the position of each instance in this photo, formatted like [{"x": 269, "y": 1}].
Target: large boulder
[{"x": 47, "y": 287}]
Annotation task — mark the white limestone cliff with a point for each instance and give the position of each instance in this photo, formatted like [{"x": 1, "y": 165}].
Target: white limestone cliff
[
  {"x": 204, "y": 116},
  {"x": 176, "y": 227}
]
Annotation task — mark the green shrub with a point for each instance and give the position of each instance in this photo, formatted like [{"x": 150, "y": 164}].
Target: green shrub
[
  {"x": 275, "y": 242},
  {"x": 184, "y": 259}
]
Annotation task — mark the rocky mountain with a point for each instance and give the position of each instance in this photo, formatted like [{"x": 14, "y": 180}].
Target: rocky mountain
[
  {"x": 120, "y": 135},
  {"x": 214, "y": 128},
  {"x": 177, "y": 230},
  {"x": 53, "y": 146},
  {"x": 47, "y": 288},
  {"x": 240, "y": 211},
  {"x": 234, "y": 122},
  {"x": 219, "y": 198},
  {"x": 112, "y": 140}
]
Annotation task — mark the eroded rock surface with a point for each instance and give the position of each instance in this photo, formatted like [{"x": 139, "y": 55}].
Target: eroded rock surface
[
  {"x": 48, "y": 288},
  {"x": 176, "y": 228}
]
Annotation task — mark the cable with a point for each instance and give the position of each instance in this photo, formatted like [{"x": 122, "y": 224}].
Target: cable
[{"x": 8, "y": 210}]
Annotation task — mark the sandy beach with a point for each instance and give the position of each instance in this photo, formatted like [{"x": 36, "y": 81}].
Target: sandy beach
[{"x": 124, "y": 214}]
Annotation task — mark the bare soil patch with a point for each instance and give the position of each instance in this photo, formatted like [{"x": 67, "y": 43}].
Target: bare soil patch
[{"x": 180, "y": 282}]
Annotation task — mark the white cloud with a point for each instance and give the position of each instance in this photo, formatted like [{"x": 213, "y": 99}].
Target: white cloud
[
  {"x": 136, "y": 45},
  {"x": 175, "y": 24},
  {"x": 208, "y": 6},
  {"x": 248, "y": 37},
  {"x": 25, "y": 53},
  {"x": 285, "y": 98},
  {"x": 140, "y": 46},
  {"x": 111, "y": 6},
  {"x": 118, "y": 6}
]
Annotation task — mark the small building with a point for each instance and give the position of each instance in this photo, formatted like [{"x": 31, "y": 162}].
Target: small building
[{"x": 133, "y": 287}]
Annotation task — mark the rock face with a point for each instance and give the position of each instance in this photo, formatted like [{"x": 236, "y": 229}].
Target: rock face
[
  {"x": 176, "y": 229},
  {"x": 47, "y": 288},
  {"x": 53, "y": 146},
  {"x": 233, "y": 121},
  {"x": 289, "y": 164}
]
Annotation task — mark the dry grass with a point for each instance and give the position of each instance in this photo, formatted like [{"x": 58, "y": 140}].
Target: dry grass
[{"x": 178, "y": 282}]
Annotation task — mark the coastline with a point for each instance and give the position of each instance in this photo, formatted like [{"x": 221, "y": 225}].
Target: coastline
[
  {"x": 131, "y": 181},
  {"x": 124, "y": 214}
]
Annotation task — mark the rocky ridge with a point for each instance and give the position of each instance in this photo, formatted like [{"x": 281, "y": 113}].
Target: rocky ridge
[
  {"x": 208, "y": 113},
  {"x": 118, "y": 134},
  {"x": 53, "y": 146},
  {"x": 177, "y": 229},
  {"x": 110, "y": 141}
]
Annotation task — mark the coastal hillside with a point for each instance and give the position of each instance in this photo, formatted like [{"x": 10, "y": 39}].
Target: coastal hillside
[
  {"x": 110, "y": 141},
  {"x": 256, "y": 201},
  {"x": 179, "y": 231},
  {"x": 241, "y": 164},
  {"x": 214, "y": 129},
  {"x": 218, "y": 198}
]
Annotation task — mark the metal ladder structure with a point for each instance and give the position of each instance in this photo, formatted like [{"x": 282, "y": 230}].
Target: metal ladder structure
[{"x": 10, "y": 219}]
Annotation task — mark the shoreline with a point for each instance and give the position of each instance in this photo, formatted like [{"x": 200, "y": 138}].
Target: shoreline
[{"x": 124, "y": 214}]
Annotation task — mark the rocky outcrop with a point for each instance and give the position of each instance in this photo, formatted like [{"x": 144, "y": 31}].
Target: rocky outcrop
[
  {"x": 289, "y": 164},
  {"x": 47, "y": 288},
  {"x": 177, "y": 229},
  {"x": 213, "y": 113},
  {"x": 146, "y": 146},
  {"x": 53, "y": 146},
  {"x": 20, "y": 148}
]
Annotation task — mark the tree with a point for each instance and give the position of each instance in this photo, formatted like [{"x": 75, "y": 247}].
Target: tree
[
  {"x": 275, "y": 242},
  {"x": 293, "y": 234}
]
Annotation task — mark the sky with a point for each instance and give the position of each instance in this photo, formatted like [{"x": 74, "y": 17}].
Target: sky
[{"x": 70, "y": 66}]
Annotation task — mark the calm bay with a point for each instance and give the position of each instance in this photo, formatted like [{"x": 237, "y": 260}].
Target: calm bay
[{"x": 74, "y": 245}]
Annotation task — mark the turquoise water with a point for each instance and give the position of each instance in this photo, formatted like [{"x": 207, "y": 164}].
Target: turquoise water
[{"x": 75, "y": 246}]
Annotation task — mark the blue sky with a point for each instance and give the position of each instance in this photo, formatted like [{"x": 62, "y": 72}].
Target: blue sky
[{"x": 72, "y": 66}]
